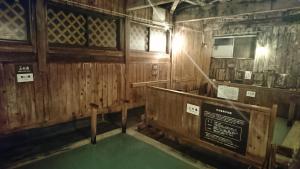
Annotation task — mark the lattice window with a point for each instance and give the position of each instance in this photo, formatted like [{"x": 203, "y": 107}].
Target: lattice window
[
  {"x": 13, "y": 24},
  {"x": 102, "y": 32},
  {"x": 158, "y": 40},
  {"x": 139, "y": 37},
  {"x": 66, "y": 28}
]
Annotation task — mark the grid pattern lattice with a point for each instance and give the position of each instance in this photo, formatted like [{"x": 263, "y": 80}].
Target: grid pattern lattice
[
  {"x": 102, "y": 32},
  {"x": 66, "y": 28},
  {"x": 12, "y": 20},
  {"x": 139, "y": 37}
]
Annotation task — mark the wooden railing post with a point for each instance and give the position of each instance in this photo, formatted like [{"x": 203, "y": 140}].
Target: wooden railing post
[
  {"x": 94, "y": 110},
  {"x": 124, "y": 116}
]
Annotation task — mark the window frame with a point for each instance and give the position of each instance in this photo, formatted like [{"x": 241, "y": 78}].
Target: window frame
[{"x": 86, "y": 13}]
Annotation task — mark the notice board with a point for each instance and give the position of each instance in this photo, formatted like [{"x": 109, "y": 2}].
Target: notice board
[{"x": 225, "y": 127}]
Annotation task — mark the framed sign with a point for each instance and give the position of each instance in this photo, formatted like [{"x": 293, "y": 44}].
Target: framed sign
[
  {"x": 24, "y": 73},
  {"x": 228, "y": 92},
  {"x": 225, "y": 127}
]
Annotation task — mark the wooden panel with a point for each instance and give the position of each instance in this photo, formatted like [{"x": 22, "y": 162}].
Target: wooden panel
[
  {"x": 162, "y": 113},
  {"x": 61, "y": 94},
  {"x": 190, "y": 60},
  {"x": 265, "y": 96}
]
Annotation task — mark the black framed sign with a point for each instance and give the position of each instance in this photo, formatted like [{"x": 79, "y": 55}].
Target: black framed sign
[{"x": 225, "y": 127}]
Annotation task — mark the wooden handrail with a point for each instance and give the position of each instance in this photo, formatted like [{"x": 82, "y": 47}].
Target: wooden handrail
[{"x": 229, "y": 103}]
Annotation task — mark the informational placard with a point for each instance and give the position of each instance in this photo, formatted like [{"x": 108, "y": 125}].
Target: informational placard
[
  {"x": 227, "y": 92},
  {"x": 24, "y": 73},
  {"x": 248, "y": 75},
  {"x": 225, "y": 127},
  {"x": 250, "y": 94}
]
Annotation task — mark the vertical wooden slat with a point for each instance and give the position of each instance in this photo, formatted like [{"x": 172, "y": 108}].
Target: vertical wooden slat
[
  {"x": 105, "y": 85},
  {"x": 10, "y": 83},
  {"x": 3, "y": 100},
  {"x": 41, "y": 33}
]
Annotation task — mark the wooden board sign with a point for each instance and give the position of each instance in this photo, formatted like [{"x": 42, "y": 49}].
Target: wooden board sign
[
  {"x": 225, "y": 127},
  {"x": 24, "y": 73}
]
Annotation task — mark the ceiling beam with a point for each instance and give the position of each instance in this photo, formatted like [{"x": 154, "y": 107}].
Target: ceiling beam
[
  {"x": 140, "y": 4},
  {"x": 174, "y": 6}
]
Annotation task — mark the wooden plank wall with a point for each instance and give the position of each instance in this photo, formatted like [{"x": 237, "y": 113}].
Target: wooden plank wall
[
  {"x": 161, "y": 113},
  {"x": 64, "y": 89},
  {"x": 140, "y": 63},
  {"x": 192, "y": 58},
  {"x": 274, "y": 31},
  {"x": 266, "y": 97},
  {"x": 61, "y": 94}
]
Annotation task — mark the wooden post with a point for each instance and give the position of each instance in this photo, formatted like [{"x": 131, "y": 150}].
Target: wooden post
[
  {"x": 124, "y": 117},
  {"x": 94, "y": 110},
  {"x": 41, "y": 34}
]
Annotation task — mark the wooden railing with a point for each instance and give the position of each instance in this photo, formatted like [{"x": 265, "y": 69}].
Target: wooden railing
[{"x": 251, "y": 126}]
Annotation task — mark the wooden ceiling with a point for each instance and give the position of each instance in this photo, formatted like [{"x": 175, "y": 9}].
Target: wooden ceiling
[{"x": 171, "y": 5}]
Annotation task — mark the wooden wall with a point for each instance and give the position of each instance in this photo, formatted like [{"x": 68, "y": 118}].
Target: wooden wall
[
  {"x": 71, "y": 78},
  {"x": 140, "y": 63},
  {"x": 191, "y": 59},
  {"x": 61, "y": 94}
]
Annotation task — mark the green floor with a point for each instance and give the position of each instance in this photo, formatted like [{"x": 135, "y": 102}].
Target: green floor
[{"x": 118, "y": 152}]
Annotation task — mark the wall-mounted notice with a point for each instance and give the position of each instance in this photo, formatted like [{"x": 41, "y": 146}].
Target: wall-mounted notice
[
  {"x": 250, "y": 93},
  {"x": 24, "y": 73},
  {"x": 227, "y": 92},
  {"x": 193, "y": 109},
  {"x": 225, "y": 127},
  {"x": 248, "y": 75}
]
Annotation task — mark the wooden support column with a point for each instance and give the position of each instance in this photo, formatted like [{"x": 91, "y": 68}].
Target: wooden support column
[
  {"x": 127, "y": 85},
  {"x": 41, "y": 34},
  {"x": 94, "y": 110}
]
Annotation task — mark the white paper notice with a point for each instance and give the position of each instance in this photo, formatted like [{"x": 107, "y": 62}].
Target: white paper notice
[
  {"x": 226, "y": 92},
  {"x": 250, "y": 94},
  {"x": 248, "y": 75}
]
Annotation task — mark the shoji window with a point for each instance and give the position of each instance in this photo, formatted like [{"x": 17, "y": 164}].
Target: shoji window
[
  {"x": 158, "y": 40},
  {"x": 147, "y": 38},
  {"x": 139, "y": 37},
  {"x": 13, "y": 20}
]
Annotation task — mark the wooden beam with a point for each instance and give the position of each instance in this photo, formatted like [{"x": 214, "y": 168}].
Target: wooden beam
[
  {"x": 138, "y": 4},
  {"x": 41, "y": 34},
  {"x": 142, "y": 84},
  {"x": 190, "y": 2},
  {"x": 174, "y": 6}
]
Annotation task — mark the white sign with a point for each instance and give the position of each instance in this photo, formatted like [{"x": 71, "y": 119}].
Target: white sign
[
  {"x": 24, "y": 73},
  {"x": 250, "y": 93},
  {"x": 227, "y": 92},
  {"x": 193, "y": 109},
  {"x": 28, "y": 77},
  {"x": 248, "y": 75}
]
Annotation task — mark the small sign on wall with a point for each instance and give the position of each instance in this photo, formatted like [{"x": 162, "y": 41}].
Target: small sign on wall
[
  {"x": 250, "y": 93},
  {"x": 227, "y": 92},
  {"x": 193, "y": 109},
  {"x": 24, "y": 73}
]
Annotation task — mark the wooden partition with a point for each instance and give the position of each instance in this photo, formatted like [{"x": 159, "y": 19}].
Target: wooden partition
[{"x": 167, "y": 109}]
